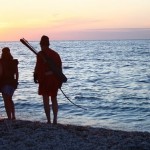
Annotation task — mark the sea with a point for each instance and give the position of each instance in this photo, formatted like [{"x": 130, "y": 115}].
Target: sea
[{"x": 108, "y": 84}]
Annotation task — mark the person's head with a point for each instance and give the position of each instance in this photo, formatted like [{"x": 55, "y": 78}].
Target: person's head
[
  {"x": 6, "y": 54},
  {"x": 44, "y": 41}
]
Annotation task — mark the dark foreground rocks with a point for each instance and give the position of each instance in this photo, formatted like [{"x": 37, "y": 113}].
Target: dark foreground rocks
[{"x": 27, "y": 135}]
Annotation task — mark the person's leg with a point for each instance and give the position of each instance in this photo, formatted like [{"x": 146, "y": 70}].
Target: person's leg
[
  {"x": 13, "y": 110},
  {"x": 7, "y": 103},
  {"x": 47, "y": 107},
  {"x": 7, "y": 93},
  {"x": 55, "y": 109}
]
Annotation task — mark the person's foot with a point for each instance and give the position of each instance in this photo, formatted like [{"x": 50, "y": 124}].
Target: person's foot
[
  {"x": 54, "y": 121},
  {"x": 48, "y": 122},
  {"x": 13, "y": 118}
]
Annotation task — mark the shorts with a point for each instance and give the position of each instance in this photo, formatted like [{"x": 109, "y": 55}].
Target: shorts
[
  {"x": 50, "y": 92},
  {"x": 8, "y": 89}
]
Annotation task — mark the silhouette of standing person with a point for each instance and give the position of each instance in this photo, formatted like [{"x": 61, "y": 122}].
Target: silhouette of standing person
[
  {"x": 48, "y": 82},
  {"x": 8, "y": 81}
]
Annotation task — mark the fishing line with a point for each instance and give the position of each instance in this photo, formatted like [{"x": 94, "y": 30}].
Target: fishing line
[{"x": 71, "y": 101}]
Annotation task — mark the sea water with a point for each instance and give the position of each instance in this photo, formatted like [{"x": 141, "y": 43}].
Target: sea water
[{"x": 110, "y": 79}]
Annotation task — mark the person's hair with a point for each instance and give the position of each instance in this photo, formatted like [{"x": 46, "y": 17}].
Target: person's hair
[
  {"x": 44, "y": 41},
  {"x": 6, "y": 55}
]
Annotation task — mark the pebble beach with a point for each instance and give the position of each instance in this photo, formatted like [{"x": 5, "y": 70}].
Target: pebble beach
[{"x": 28, "y": 135}]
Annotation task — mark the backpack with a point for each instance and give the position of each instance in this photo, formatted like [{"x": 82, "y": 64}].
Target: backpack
[
  {"x": 7, "y": 71},
  {"x": 1, "y": 69}
]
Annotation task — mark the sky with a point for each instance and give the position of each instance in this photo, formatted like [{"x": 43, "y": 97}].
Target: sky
[{"x": 74, "y": 19}]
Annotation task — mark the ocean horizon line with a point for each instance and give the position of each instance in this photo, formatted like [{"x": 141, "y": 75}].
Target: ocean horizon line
[{"x": 81, "y": 40}]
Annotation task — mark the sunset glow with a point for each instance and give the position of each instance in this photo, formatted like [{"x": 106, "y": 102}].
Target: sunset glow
[{"x": 74, "y": 19}]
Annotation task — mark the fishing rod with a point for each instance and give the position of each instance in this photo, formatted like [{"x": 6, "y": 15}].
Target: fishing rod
[
  {"x": 26, "y": 43},
  {"x": 47, "y": 60}
]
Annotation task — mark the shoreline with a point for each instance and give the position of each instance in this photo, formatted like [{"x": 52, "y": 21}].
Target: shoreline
[{"x": 24, "y": 135}]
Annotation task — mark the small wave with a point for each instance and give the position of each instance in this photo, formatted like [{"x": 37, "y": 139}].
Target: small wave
[
  {"x": 66, "y": 67},
  {"x": 80, "y": 98}
]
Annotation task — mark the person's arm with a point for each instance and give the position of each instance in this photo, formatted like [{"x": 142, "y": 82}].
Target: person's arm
[
  {"x": 35, "y": 72},
  {"x": 17, "y": 74},
  {"x": 16, "y": 70}
]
